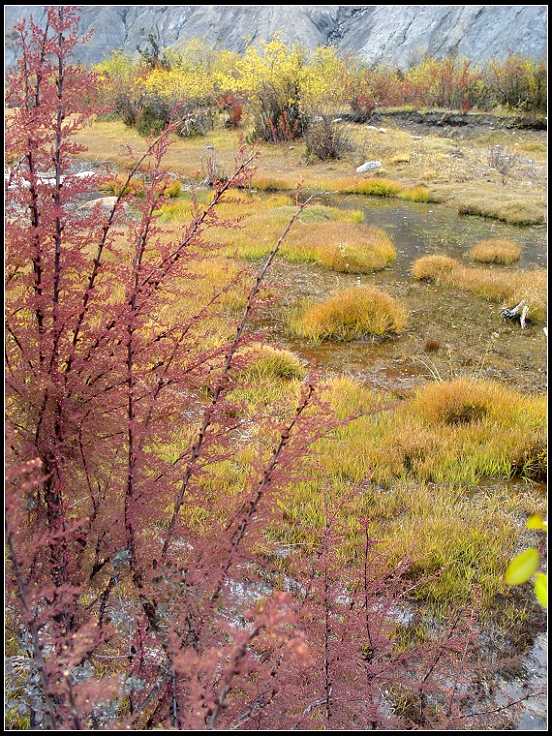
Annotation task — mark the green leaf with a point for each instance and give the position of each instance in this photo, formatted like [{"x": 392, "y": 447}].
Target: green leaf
[
  {"x": 522, "y": 567},
  {"x": 541, "y": 588},
  {"x": 536, "y": 522}
]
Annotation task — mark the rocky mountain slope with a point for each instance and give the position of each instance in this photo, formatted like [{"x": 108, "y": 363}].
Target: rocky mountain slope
[{"x": 396, "y": 34}]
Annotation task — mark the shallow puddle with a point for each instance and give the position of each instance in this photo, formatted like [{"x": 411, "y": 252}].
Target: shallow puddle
[{"x": 419, "y": 229}]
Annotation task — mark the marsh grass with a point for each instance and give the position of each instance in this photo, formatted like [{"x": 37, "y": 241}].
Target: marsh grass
[
  {"x": 369, "y": 249},
  {"x": 426, "y": 460},
  {"x": 503, "y": 252},
  {"x": 511, "y": 209},
  {"x": 432, "y": 268},
  {"x": 450, "y": 432},
  {"x": 456, "y": 181},
  {"x": 349, "y": 315},
  {"x": 500, "y": 287},
  {"x": 334, "y": 238}
]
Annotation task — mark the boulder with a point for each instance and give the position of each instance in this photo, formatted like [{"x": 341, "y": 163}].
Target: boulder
[
  {"x": 368, "y": 166},
  {"x": 106, "y": 203}
]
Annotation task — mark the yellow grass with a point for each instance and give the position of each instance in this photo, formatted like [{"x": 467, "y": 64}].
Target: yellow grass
[
  {"x": 349, "y": 315},
  {"x": 431, "y": 268},
  {"x": 282, "y": 167},
  {"x": 505, "y": 288},
  {"x": 502, "y": 252}
]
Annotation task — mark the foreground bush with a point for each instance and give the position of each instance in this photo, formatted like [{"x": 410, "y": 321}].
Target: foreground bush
[
  {"x": 503, "y": 252},
  {"x": 350, "y": 315},
  {"x": 144, "y": 584}
]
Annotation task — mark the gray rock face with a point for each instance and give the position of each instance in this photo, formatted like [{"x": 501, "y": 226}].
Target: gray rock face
[{"x": 393, "y": 34}]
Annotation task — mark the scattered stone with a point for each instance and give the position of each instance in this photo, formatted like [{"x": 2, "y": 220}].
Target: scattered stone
[
  {"x": 106, "y": 203},
  {"x": 381, "y": 130},
  {"x": 368, "y": 166}
]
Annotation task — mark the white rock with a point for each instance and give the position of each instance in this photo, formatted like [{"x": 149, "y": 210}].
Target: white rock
[
  {"x": 106, "y": 203},
  {"x": 368, "y": 166}
]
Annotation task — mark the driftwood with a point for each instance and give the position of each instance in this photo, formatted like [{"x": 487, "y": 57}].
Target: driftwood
[{"x": 517, "y": 313}]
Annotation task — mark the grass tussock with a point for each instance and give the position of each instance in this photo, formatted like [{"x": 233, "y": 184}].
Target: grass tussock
[
  {"x": 266, "y": 362},
  {"x": 432, "y": 268},
  {"x": 340, "y": 246},
  {"x": 503, "y": 252},
  {"x": 506, "y": 288},
  {"x": 456, "y": 432},
  {"x": 450, "y": 541},
  {"x": 513, "y": 211},
  {"x": 427, "y": 458},
  {"x": 350, "y": 315},
  {"x": 270, "y": 378}
]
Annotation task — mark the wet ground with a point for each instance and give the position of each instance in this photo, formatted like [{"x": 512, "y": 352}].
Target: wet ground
[
  {"x": 472, "y": 340},
  {"x": 472, "y": 337}
]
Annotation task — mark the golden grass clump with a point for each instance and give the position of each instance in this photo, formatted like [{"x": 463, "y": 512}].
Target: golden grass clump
[
  {"x": 349, "y": 315},
  {"x": 452, "y": 539},
  {"x": 271, "y": 363},
  {"x": 432, "y": 268},
  {"x": 371, "y": 250},
  {"x": 173, "y": 189},
  {"x": 506, "y": 288},
  {"x": 372, "y": 187},
  {"x": 464, "y": 400},
  {"x": 503, "y": 252},
  {"x": 515, "y": 211},
  {"x": 453, "y": 432},
  {"x": 269, "y": 379}
]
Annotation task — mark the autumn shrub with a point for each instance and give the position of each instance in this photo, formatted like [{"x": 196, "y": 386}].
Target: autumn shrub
[
  {"x": 518, "y": 83},
  {"x": 447, "y": 83},
  {"x": 233, "y": 106},
  {"x": 326, "y": 140},
  {"x": 153, "y": 115},
  {"x": 350, "y": 315},
  {"x": 363, "y": 106},
  {"x": 276, "y": 118},
  {"x": 432, "y": 268},
  {"x": 503, "y": 252}
]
